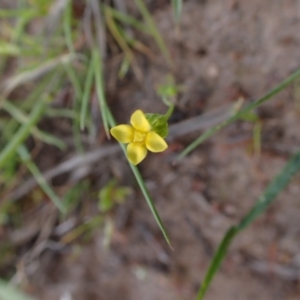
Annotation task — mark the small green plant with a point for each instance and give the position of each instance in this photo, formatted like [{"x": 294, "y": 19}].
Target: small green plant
[{"x": 112, "y": 194}]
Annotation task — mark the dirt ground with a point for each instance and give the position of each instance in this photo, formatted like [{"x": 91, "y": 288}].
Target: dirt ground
[{"x": 225, "y": 49}]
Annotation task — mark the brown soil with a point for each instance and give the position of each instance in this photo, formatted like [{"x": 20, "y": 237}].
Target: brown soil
[{"x": 225, "y": 49}]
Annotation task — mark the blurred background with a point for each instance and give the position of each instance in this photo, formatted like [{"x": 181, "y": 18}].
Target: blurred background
[{"x": 74, "y": 224}]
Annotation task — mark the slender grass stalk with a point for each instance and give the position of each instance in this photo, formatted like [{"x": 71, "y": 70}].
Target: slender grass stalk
[
  {"x": 98, "y": 70},
  {"x": 124, "y": 67},
  {"x": 12, "y": 13},
  {"x": 236, "y": 115},
  {"x": 153, "y": 30},
  {"x": 47, "y": 85},
  {"x": 126, "y": 19},
  {"x": 278, "y": 184},
  {"x": 108, "y": 120},
  {"x": 76, "y": 105},
  {"x": 177, "y": 10},
  {"x": 116, "y": 34},
  {"x": 23, "y": 119},
  {"x": 23, "y": 132},
  {"x": 21, "y": 22},
  {"x": 142, "y": 185},
  {"x": 26, "y": 158},
  {"x": 86, "y": 94},
  {"x": 67, "y": 24},
  {"x": 257, "y": 137},
  {"x": 121, "y": 40},
  {"x": 60, "y": 113}
]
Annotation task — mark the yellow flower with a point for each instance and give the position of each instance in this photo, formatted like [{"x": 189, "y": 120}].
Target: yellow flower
[{"x": 139, "y": 137}]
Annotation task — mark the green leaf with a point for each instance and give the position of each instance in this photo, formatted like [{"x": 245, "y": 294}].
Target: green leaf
[
  {"x": 168, "y": 90},
  {"x": 159, "y": 124}
]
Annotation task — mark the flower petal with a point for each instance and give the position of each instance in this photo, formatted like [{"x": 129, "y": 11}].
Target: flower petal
[
  {"x": 139, "y": 122},
  {"x": 136, "y": 153},
  {"x": 123, "y": 133},
  {"x": 155, "y": 143}
]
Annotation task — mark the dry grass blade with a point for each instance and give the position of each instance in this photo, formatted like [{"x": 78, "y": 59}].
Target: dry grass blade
[
  {"x": 69, "y": 165},
  {"x": 100, "y": 30},
  {"x": 15, "y": 81}
]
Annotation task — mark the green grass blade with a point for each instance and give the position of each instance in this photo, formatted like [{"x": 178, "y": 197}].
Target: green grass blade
[
  {"x": 67, "y": 24},
  {"x": 47, "y": 85},
  {"x": 98, "y": 70},
  {"x": 48, "y": 138},
  {"x": 45, "y": 137},
  {"x": 22, "y": 133},
  {"x": 71, "y": 72},
  {"x": 142, "y": 186},
  {"x": 153, "y": 30},
  {"x": 278, "y": 184},
  {"x": 9, "y": 49},
  {"x": 11, "y": 13},
  {"x": 257, "y": 138},
  {"x": 120, "y": 37},
  {"x": 22, "y": 22},
  {"x": 26, "y": 158},
  {"x": 239, "y": 114},
  {"x": 126, "y": 19},
  {"x": 207, "y": 134},
  {"x": 177, "y": 9},
  {"x": 116, "y": 33},
  {"x": 124, "y": 68},
  {"x": 9, "y": 292},
  {"x": 86, "y": 94},
  {"x": 60, "y": 113},
  {"x": 216, "y": 261},
  {"x": 148, "y": 198}
]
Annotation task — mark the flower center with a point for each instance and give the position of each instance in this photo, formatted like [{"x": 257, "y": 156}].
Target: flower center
[{"x": 139, "y": 136}]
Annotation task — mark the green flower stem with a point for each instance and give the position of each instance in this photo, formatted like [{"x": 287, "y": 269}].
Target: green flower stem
[{"x": 169, "y": 112}]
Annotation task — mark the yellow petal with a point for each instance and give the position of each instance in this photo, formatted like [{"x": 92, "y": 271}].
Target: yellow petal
[
  {"x": 123, "y": 133},
  {"x": 139, "y": 121},
  {"x": 155, "y": 143},
  {"x": 136, "y": 153}
]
